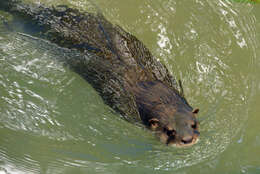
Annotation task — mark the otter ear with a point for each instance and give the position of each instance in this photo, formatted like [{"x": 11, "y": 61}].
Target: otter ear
[
  {"x": 195, "y": 111},
  {"x": 153, "y": 123}
]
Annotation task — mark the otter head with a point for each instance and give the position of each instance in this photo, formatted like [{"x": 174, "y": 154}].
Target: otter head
[
  {"x": 173, "y": 127},
  {"x": 164, "y": 110}
]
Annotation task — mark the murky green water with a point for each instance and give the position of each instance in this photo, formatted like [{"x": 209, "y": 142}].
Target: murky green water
[{"x": 52, "y": 121}]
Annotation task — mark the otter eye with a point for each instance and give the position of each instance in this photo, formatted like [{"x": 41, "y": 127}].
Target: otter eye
[
  {"x": 194, "y": 126},
  {"x": 154, "y": 123}
]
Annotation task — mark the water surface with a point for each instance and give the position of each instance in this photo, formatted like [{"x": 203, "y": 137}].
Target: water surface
[{"x": 53, "y": 121}]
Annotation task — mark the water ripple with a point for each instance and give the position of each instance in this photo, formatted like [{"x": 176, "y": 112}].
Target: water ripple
[{"x": 62, "y": 123}]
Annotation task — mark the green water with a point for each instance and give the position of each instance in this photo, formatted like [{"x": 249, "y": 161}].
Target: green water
[{"x": 52, "y": 121}]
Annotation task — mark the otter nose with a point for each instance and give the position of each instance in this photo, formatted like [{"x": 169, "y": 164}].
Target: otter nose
[{"x": 187, "y": 139}]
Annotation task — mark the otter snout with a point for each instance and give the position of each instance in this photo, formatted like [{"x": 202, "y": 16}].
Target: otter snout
[{"x": 190, "y": 139}]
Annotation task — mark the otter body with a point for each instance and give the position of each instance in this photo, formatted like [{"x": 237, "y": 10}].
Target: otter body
[{"x": 119, "y": 67}]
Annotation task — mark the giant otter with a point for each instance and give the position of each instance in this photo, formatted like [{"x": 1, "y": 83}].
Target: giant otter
[{"x": 118, "y": 66}]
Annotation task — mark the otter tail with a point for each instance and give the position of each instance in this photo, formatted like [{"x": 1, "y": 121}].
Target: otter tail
[
  {"x": 18, "y": 8},
  {"x": 7, "y": 5}
]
